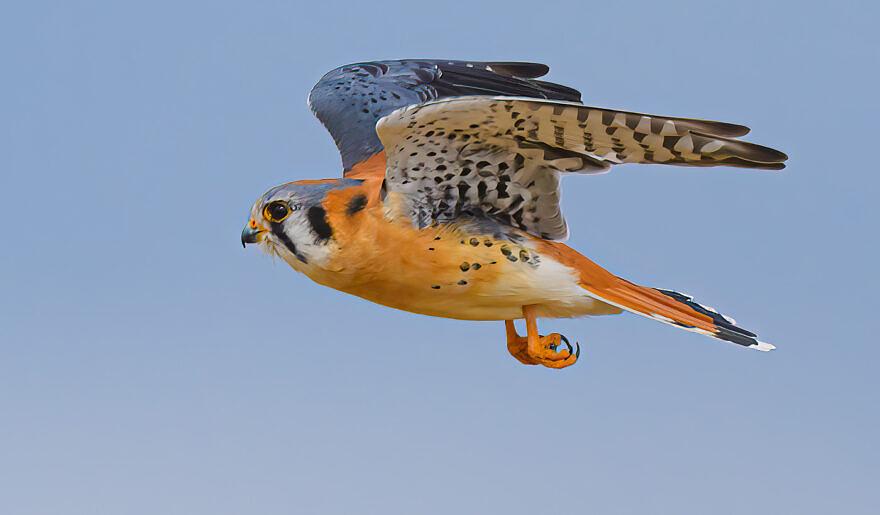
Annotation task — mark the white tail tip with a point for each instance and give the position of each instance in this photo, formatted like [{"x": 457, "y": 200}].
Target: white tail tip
[{"x": 762, "y": 346}]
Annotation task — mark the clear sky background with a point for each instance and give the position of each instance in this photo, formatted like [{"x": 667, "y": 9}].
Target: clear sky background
[{"x": 149, "y": 365}]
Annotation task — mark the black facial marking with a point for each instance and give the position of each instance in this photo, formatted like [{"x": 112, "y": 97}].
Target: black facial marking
[
  {"x": 357, "y": 203},
  {"x": 278, "y": 231},
  {"x": 318, "y": 220}
]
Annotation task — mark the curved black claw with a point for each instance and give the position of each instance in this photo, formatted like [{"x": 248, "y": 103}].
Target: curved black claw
[{"x": 570, "y": 349}]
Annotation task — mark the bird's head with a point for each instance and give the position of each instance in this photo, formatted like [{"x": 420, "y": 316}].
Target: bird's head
[{"x": 289, "y": 221}]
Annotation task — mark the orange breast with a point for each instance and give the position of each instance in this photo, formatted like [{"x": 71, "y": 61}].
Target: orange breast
[{"x": 443, "y": 270}]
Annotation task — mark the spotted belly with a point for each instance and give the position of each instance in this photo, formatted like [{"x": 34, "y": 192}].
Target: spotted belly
[{"x": 453, "y": 275}]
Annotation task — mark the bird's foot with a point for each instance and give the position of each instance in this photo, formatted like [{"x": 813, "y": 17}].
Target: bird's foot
[{"x": 545, "y": 350}]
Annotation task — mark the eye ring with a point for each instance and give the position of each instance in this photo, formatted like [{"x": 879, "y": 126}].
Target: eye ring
[{"x": 276, "y": 211}]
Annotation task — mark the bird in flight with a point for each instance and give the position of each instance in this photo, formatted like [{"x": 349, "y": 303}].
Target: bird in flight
[{"x": 449, "y": 200}]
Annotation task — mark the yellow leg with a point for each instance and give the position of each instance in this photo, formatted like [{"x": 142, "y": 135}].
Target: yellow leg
[{"x": 534, "y": 349}]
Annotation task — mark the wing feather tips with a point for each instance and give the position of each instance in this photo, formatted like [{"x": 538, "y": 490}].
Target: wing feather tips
[
  {"x": 635, "y": 137},
  {"x": 523, "y": 70},
  {"x": 727, "y": 129},
  {"x": 740, "y": 153}
]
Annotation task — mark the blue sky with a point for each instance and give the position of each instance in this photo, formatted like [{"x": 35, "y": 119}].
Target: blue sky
[{"x": 150, "y": 365}]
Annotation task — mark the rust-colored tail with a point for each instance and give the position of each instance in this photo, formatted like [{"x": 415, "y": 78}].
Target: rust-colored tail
[{"x": 665, "y": 306}]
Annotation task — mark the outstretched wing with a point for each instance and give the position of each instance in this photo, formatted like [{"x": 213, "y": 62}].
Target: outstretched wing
[
  {"x": 502, "y": 157},
  {"x": 351, "y": 99}
]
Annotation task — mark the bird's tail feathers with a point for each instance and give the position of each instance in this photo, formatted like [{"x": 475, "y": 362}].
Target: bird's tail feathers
[{"x": 667, "y": 306}]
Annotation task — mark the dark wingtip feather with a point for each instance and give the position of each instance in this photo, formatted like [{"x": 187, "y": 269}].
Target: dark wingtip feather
[
  {"x": 764, "y": 154},
  {"x": 522, "y": 70},
  {"x": 731, "y": 130},
  {"x": 561, "y": 92},
  {"x": 748, "y": 155},
  {"x": 492, "y": 79}
]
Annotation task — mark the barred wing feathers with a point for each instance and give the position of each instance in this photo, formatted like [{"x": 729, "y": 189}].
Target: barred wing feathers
[{"x": 502, "y": 157}]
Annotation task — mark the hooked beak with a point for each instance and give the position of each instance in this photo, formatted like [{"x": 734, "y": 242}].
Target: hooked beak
[{"x": 252, "y": 233}]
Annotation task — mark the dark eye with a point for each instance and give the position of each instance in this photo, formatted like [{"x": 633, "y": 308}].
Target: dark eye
[{"x": 276, "y": 211}]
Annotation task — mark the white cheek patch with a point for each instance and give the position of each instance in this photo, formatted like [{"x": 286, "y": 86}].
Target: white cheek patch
[{"x": 307, "y": 244}]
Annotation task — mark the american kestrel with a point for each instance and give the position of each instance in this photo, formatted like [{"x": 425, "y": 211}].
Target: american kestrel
[{"x": 448, "y": 203}]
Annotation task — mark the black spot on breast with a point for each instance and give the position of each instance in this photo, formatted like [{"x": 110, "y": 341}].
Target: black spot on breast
[
  {"x": 462, "y": 282},
  {"x": 435, "y": 286},
  {"x": 355, "y": 204},
  {"x": 317, "y": 218},
  {"x": 465, "y": 266}
]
